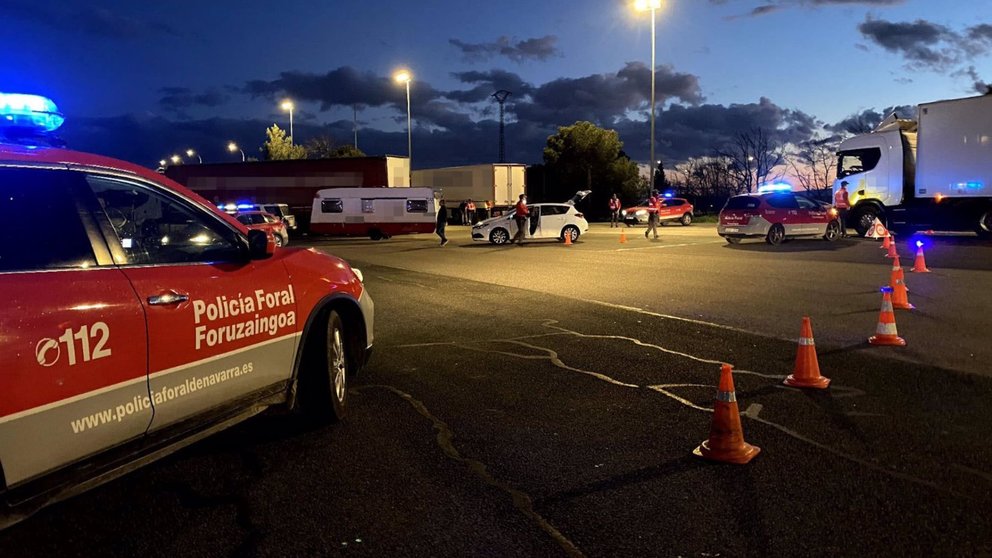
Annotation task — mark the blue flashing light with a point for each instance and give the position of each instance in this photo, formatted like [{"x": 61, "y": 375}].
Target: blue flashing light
[
  {"x": 970, "y": 185},
  {"x": 887, "y": 290},
  {"x": 245, "y": 206},
  {"x": 29, "y": 112},
  {"x": 775, "y": 187},
  {"x": 919, "y": 244},
  {"x": 669, "y": 195}
]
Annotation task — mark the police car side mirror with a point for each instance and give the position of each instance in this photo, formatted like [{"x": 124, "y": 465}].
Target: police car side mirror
[{"x": 260, "y": 245}]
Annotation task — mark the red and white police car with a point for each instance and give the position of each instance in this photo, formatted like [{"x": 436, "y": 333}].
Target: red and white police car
[
  {"x": 139, "y": 318},
  {"x": 672, "y": 209},
  {"x": 776, "y": 214}
]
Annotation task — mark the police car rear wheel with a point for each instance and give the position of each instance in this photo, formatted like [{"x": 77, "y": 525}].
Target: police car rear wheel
[
  {"x": 337, "y": 365},
  {"x": 833, "y": 231},
  {"x": 775, "y": 235},
  {"x": 686, "y": 219}
]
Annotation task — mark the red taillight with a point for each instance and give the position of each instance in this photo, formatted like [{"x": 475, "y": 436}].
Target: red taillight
[{"x": 580, "y": 216}]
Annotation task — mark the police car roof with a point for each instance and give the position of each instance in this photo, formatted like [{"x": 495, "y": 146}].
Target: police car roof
[{"x": 55, "y": 157}]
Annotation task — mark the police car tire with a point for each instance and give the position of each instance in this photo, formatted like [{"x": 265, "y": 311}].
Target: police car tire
[
  {"x": 279, "y": 241},
  {"x": 984, "y": 226},
  {"x": 833, "y": 231},
  {"x": 776, "y": 235},
  {"x": 686, "y": 219},
  {"x": 323, "y": 385}
]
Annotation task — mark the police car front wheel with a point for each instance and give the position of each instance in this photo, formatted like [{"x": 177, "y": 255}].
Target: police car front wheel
[{"x": 323, "y": 383}]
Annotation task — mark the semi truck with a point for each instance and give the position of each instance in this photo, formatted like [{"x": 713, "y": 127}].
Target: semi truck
[
  {"x": 932, "y": 173},
  {"x": 499, "y": 183}
]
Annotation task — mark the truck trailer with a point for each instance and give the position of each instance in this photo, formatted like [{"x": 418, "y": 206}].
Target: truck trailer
[
  {"x": 933, "y": 173},
  {"x": 499, "y": 183}
]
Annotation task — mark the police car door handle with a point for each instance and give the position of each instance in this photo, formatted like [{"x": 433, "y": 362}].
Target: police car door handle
[{"x": 167, "y": 298}]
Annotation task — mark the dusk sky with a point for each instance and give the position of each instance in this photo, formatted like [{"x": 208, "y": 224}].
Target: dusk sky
[{"x": 142, "y": 80}]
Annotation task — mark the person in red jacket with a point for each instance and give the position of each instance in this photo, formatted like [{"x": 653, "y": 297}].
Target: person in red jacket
[
  {"x": 654, "y": 206},
  {"x": 470, "y": 212},
  {"x": 520, "y": 213},
  {"x": 614, "y": 211}
]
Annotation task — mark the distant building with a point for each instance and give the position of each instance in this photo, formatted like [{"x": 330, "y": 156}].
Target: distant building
[{"x": 293, "y": 182}]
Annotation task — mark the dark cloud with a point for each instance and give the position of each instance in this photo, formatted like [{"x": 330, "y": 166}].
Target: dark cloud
[
  {"x": 977, "y": 85},
  {"x": 866, "y": 120},
  {"x": 920, "y": 42},
  {"x": 604, "y": 98},
  {"x": 540, "y": 48},
  {"x": 85, "y": 18},
  {"x": 178, "y": 100},
  {"x": 486, "y": 83},
  {"x": 768, "y": 7}
]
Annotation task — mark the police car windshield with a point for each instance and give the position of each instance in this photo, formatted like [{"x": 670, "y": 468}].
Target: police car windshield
[{"x": 743, "y": 202}]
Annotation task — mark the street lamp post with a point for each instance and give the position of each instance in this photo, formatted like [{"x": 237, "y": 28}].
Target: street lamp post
[
  {"x": 405, "y": 77},
  {"x": 232, "y": 147},
  {"x": 288, "y": 105},
  {"x": 191, "y": 153},
  {"x": 176, "y": 159},
  {"x": 653, "y": 6}
]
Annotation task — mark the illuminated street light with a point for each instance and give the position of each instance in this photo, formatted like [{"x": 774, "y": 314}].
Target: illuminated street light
[
  {"x": 176, "y": 159},
  {"x": 191, "y": 153},
  {"x": 162, "y": 163},
  {"x": 404, "y": 77},
  {"x": 653, "y": 6},
  {"x": 288, "y": 105},
  {"x": 232, "y": 147}
]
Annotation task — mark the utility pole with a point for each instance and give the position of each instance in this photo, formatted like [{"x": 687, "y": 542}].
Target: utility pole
[
  {"x": 355, "y": 126},
  {"x": 501, "y": 97}
]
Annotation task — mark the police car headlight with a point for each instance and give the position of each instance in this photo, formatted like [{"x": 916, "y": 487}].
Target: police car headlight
[
  {"x": 358, "y": 273},
  {"x": 623, "y": 212},
  {"x": 642, "y": 212}
]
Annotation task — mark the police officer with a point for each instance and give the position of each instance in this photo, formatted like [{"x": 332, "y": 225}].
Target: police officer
[
  {"x": 654, "y": 206},
  {"x": 520, "y": 213},
  {"x": 442, "y": 222},
  {"x": 842, "y": 205},
  {"x": 614, "y": 211},
  {"x": 470, "y": 211}
]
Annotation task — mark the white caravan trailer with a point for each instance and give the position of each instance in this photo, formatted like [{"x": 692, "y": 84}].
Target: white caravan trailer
[{"x": 374, "y": 212}]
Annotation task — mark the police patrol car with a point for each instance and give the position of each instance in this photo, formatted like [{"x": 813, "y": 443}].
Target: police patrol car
[
  {"x": 775, "y": 213},
  {"x": 138, "y": 318}
]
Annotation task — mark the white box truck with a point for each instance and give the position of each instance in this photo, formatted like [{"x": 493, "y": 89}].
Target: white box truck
[
  {"x": 932, "y": 173},
  {"x": 499, "y": 183}
]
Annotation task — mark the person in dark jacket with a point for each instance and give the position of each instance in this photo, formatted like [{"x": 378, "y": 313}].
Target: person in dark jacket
[{"x": 442, "y": 222}]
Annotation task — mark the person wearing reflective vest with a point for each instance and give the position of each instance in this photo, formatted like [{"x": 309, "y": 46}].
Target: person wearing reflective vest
[
  {"x": 520, "y": 213},
  {"x": 842, "y": 204},
  {"x": 470, "y": 210},
  {"x": 654, "y": 206},
  {"x": 614, "y": 211}
]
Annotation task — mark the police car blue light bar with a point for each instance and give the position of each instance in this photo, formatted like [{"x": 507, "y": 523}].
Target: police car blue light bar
[
  {"x": 30, "y": 112},
  {"x": 775, "y": 187}
]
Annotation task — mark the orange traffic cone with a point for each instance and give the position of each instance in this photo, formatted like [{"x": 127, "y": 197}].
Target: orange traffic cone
[
  {"x": 726, "y": 442},
  {"x": 920, "y": 265},
  {"x": 897, "y": 273},
  {"x": 892, "y": 248},
  {"x": 623, "y": 237},
  {"x": 886, "y": 242},
  {"x": 568, "y": 238},
  {"x": 900, "y": 296},
  {"x": 806, "y": 373},
  {"x": 885, "y": 333}
]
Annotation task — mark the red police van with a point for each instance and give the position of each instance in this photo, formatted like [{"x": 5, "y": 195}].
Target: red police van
[{"x": 138, "y": 317}]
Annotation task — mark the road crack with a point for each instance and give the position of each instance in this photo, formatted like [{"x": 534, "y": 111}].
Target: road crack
[{"x": 445, "y": 440}]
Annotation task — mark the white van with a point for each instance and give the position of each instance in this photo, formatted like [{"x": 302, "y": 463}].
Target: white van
[{"x": 374, "y": 212}]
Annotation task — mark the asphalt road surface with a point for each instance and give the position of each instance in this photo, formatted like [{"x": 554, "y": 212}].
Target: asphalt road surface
[{"x": 544, "y": 400}]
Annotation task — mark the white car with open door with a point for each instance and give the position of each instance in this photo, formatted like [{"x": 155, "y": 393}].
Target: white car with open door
[{"x": 546, "y": 221}]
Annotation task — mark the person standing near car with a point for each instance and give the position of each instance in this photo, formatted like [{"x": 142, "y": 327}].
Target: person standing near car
[
  {"x": 520, "y": 213},
  {"x": 470, "y": 211},
  {"x": 489, "y": 209},
  {"x": 614, "y": 211},
  {"x": 654, "y": 206},
  {"x": 442, "y": 222},
  {"x": 842, "y": 204}
]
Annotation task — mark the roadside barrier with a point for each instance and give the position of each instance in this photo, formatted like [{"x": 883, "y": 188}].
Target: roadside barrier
[
  {"x": 897, "y": 273},
  {"x": 893, "y": 253},
  {"x": 886, "y": 242},
  {"x": 806, "y": 373},
  {"x": 900, "y": 295},
  {"x": 920, "y": 265},
  {"x": 726, "y": 442},
  {"x": 886, "y": 333}
]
